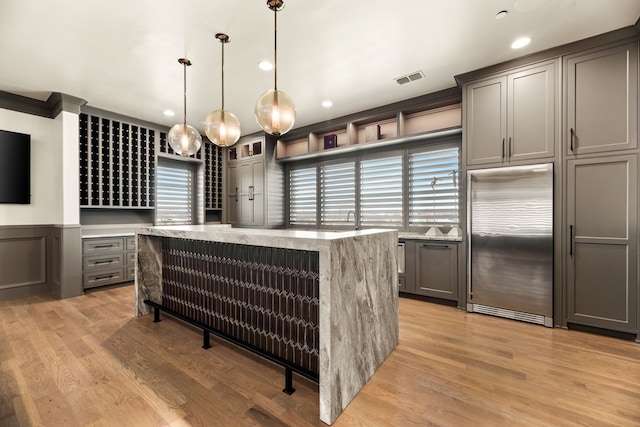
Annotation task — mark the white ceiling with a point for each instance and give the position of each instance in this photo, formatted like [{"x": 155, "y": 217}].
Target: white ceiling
[{"x": 121, "y": 55}]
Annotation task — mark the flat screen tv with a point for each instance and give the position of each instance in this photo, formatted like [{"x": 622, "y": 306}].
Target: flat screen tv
[{"x": 15, "y": 167}]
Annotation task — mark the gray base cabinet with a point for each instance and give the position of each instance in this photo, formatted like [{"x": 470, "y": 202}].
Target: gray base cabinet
[
  {"x": 602, "y": 242},
  {"x": 108, "y": 260},
  {"x": 431, "y": 269},
  {"x": 437, "y": 270}
]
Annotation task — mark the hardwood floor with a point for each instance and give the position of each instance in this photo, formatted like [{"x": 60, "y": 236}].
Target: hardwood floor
[{"x": 87, "y": 361}]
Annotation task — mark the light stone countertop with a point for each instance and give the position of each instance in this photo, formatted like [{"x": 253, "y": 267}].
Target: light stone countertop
[
  {"x": 95, "y": 235},
  {"x": 422, "y": 236},
  {"x": 278, "y": 238}
]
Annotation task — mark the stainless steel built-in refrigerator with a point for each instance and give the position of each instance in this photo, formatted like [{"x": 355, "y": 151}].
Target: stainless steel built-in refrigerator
[{"x": 510, "y": 237}]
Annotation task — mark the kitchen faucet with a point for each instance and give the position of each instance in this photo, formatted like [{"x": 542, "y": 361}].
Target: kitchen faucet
[{"x": 356, "y": 226}]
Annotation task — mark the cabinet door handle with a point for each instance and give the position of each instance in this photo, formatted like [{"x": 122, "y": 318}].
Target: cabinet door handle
[
  {"x": 105, "y": 261},
  {"x": 509, "y": 149},
  {"x": 236, "y": 194},
  {"x": 571, "y": 240},
  {"x": 436, "y": 246},
  {"x": 571, "y": 139},
  {"x": 251, "y": 192},
  {"x": 102, "y": 246},
  {"x": 104, "y": 277},
  {"x": 503, "y": 140}
]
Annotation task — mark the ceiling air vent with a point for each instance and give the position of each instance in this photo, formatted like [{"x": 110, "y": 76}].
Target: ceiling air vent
[{"x": 409, "y": 77}]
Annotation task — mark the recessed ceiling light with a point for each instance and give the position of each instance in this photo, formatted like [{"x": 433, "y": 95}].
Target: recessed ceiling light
[
  {"x": 521, "y": 42},
  {"x": 265, "y": 65},
  {"x": 502, "y": 14},
  {"x": 169, "y": 113},
  {"x": 327, "y": 103}
]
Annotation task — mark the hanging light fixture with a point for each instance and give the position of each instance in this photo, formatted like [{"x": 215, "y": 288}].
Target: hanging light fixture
[
  {"x": 275, "y": 111},
  {"x": 221, "y": 126},
  {"x": 185, "y": 139}
]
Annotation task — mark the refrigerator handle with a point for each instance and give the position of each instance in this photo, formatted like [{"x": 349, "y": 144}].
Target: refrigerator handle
[
  {"x": 503, "y": 140},
  {"x": 571, "y": 140},
  {"x": 571, "y": 240}
]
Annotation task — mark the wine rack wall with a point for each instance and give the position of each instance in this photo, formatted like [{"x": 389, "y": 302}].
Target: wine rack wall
[
  {"x": 213, "y": 176},
  {"x": 117, "y": 164},
  {"x": 118, "y": 161}
]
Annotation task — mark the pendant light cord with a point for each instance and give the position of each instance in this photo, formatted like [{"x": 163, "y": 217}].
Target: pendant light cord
[
  {"x": 184, "y": 79},
  {"x": 275, "y": 49},
  {"x": 223, "y": 43}
]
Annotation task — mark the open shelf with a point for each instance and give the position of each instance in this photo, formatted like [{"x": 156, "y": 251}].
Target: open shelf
[{"x": 389, "y": 128}]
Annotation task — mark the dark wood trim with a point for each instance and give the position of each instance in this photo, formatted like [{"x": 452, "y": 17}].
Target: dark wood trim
[
  {"x": 54, "y": 105},
  {"x": 24, "y": 104},
  {"x": 61, "y": 268},
  {"x": 59, "y": 102},
  {"x": 621, "y": 35},
  {"x": 66, "y": 261},
  {"x": 442, "y": 98},
  {"x": 14, "y": 284}
]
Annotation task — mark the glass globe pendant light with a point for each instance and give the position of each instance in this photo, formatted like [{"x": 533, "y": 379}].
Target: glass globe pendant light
[
  {"x": 221, "y": 126},
  {"x": 185, "y": 139},
  {"x": 275, "y": 111}
]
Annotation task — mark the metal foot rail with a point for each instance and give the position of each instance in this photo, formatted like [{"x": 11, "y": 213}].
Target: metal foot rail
[{"x": 206, "y": 343}]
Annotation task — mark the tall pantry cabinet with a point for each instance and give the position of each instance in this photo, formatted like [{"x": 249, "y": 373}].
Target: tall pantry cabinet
[
  {"x": 255, "y": 184},
  {"x": 601, "y": 142}
]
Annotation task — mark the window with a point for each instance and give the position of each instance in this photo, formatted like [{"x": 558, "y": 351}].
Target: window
[
  {"x": 410, "y": 189},
  {"x": 381, "y": 192},
  {"x": 174, "y": 194},
  {"x": 302, "y": 196},
  {"x": 433, "y": 187},
  {"x": 338, "y": 194}
]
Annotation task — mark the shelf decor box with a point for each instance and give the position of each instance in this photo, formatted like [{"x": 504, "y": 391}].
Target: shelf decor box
[{"x": 330, "y": 141}]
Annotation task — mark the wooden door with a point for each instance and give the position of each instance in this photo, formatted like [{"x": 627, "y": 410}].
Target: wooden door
[
  {"x": 602, "y": 100},
  {"x": 602, "y": 243},
  {"x": 485, "y": 122},
  {"x": 532, "y": 96}
]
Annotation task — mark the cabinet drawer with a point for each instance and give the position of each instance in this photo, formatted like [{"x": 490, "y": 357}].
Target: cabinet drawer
[
  {"x": 130, "y": 243},
  {"x": 130, "y": 273},
  {"x": 102, "y": 245},
  {"x": 131, "y": 258},
  {"x": 105, "y": 277},
  {"x": 101, "y": 262}
]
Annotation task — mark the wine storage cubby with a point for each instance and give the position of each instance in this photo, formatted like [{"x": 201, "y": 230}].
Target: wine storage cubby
[
  {"x": 213, "y": 176},
  {"x": 117, "y": 163}
]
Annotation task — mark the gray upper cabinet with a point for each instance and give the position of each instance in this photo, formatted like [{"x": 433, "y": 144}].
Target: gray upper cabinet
[
  {"x": 601, "y": 100},
  {"x": 255, "y": 184},
  {"x": 602, "y": 242},
  {"x": 512, "y": 117},
  {"x": 486, "y": 121}
]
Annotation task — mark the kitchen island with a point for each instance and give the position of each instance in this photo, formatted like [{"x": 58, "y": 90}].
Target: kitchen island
[{"x": 323, "y": 303}]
